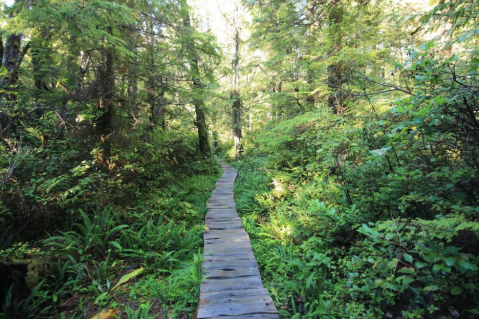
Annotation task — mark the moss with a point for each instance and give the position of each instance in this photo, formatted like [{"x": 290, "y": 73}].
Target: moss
[{"x": 33, "y": 277}]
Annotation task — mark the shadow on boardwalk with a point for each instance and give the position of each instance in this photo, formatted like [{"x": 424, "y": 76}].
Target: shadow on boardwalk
[{"x": 233, "y": 287}]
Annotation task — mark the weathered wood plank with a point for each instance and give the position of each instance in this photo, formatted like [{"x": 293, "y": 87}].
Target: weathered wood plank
[
  {"x": 226, "y": 284},
  {"x": 222, "y": 259},
  {"x": 223, "y": 217},
  {"x": 221, "y": 295},
  {"x": 221, "y": 206},
  {"x": 224, "y": 222},
  {"x": 225, "y": 233},
  {"x": 227, "y": 272},
  {"x": 222, "y": 250},
  {"x": 225, "y": 255},
  {"x": 236, "y": 303},
  {"x": 230, "y": 264},
  {"x": 223, "y": 211},
  {"x": 214, "y": 225},
  {"x": 258, "y": 316},
  {"x": 237, "y": 242},
  {"x": 225, "y": 245},
  {"x": 232, "y": 287}
]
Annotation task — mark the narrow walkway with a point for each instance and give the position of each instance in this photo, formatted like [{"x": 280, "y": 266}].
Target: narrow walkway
[{"x": 233, "y": 287}]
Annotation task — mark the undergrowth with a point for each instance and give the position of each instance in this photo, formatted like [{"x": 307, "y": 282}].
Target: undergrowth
[
  {"x": 340, "y": 233},
  {"x": 124, "y": 261}
]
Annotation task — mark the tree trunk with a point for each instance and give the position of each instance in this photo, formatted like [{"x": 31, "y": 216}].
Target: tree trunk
[
  {"x": 235, "y": 96},
  {"x": 335, "y": 71},
  {"x": 11, "y": 61},
  {"x": 1, "y": 47},
  {"x": 237, "y": 134},
  {"x": 157, "y": 106},
  {"x": 133, "y": 67},
  {"x": 104, "y": 124},
  {"x": 200, "y": 115},
  {"x": 198, "y": 102}
]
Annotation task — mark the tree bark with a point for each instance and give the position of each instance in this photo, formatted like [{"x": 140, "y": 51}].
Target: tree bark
[
  {"x": 236, "y": 97},
  {"x": 198, "y": 102},
  {"x": 335, "y": 71},
  {"x": 105, "y": 105},
  {"x": 11, "y": 60},
  {"x": 1, "y": 47},
  {"x": 200, "y": 115}
]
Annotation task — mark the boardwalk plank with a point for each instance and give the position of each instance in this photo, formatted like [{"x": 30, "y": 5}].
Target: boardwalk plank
[
  {"x": 224, "y": 233},
  {"x": 236, "y": 303},
  {"x": 264, "y": 316},
  {"x": 226, "y": 272},
  {"x": 226, "y": 284},
  {"x": 225, "y": 245},
  {"x": 232, "y": 287},
  {"x": 225, "y": 255},
  {"x": 212, "y": 225},
  {"x": 230, "y": 264}
]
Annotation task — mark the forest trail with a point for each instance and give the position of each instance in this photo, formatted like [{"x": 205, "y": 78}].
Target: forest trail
[{"x": 233, "y": 287}]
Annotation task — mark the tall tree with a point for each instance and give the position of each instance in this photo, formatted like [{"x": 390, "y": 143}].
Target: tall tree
[
  {"x": 13, "y": 53},
  {"x": 235, "y": 87},
  {"x": 336, "y": 70},
  {"x": 198, "y": 86},
  {"x": 105, "y": 104}
]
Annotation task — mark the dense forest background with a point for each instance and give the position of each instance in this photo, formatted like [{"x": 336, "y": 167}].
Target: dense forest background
[{"x": 354, "y": 126}]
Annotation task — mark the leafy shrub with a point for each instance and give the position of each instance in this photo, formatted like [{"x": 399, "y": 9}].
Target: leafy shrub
[{"x": 413, "y": 268}]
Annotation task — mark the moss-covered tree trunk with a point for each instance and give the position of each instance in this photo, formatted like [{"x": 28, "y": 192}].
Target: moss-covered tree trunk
[{"x": 11, "y": 59}]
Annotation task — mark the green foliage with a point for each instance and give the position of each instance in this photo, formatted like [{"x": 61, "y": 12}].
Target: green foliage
[
  {"x": 31, "y": 307},
  {"x": 371, "y": 213},
  {"x": 98, "y": 261}
]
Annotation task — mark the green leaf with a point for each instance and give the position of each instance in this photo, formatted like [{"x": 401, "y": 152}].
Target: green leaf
[
  {"x": 128, "y": 277},
  {"x": 451, "y": 250},
  {"x": 449, "y": 261},
  {"x": 380, "y": 152},
  {"x": 420, "y": 78},
  {"x": 407, "y": 281},
  {"x": 368, "y": 231},
  {"x": 427, "y": 46},
  {"x": 467, "y": 265},
  {"x": 470, "y": 286},
  {"x": 116, "y": 245},
  {"x": 457, "y": 290},
  {"x": 393, "y": 263},
  {"x": 408, "y": 257},
  {"x": 438, "y": 267},
  {"x": 431, "y": 288},
  {"x": 420, "y": 264}
]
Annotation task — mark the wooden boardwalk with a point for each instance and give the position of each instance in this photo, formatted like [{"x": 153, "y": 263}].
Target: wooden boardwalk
[{"x": 233, "y": 287}]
